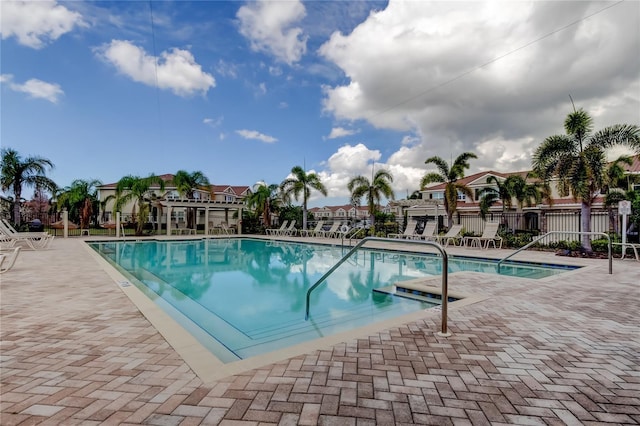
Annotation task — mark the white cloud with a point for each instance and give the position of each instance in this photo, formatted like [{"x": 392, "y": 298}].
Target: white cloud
[
  {"x": 339, "y": 132},
  {"x": 34, "y": 23},
  {"x": 227, "y": 69},
  {"x": 176, "y": 69},
  {"x": 269, "y": 26},
  {"x": 213, "y": 122},
  {"x": 35, "y": 88},
  {"x": 275, "y": 71},
  {"x": 431, "y": 72},
  {"x": 252, "y": 134}
]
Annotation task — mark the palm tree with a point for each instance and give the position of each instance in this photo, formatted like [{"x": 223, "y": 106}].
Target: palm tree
[
  {"x": 16, "y": 173},
  {"x": 134, "y": 188},
  {"x": 301, "y": 183},
  {"x": 612, "y": 189},
  {"x": 577, "y": 160},
  {"x": 450, "y": 176},
  {"x": 263, "y": 199},
  {"x": 186, "y": 183},
  {"x": 374, "y": 190},
  {"x": 490, "y": 195},
  {"x": 81, "y": 200}
]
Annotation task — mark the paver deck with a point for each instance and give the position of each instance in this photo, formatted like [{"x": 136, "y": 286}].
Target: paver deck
[{"x": 562, "y": 350}]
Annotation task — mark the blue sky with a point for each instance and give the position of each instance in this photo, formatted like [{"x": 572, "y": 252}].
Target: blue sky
[{"x": 244, "y": 91}]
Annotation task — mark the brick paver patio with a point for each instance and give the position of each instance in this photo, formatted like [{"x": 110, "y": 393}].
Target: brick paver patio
[{"x": 565, "y": 350}]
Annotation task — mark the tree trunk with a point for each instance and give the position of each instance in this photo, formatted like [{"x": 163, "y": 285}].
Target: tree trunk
[
  {"x": 16, "y": 213},
  {"x": 304, "y": 215},
  {"x": 585, "y": 225}
]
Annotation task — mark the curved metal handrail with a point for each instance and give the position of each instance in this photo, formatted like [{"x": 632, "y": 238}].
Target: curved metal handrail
[
  {"x": 349, "y": 236},
  {"x": 563, "y": 232},
  {"x": 445, "y": 274}
]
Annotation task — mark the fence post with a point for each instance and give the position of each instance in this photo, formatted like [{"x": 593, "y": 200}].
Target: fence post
[{"x": 65, "y": 223}]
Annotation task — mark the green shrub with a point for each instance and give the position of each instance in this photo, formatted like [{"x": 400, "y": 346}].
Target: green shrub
[{"x": 510, "y": 240}]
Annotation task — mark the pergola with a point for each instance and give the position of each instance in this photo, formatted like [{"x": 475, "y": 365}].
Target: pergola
[{"x": 207, "y": 205}]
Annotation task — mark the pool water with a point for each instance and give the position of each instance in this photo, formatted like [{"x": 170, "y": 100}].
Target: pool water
[{"x": 247, "y": 296}]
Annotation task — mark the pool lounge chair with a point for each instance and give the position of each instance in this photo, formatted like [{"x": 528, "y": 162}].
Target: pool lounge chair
[
  {"x": 226, "y": 229},
  {"x": 289, "y": 231},
  {"x": 312, "y": 232},
  {"x": 275, "y": 231},
  {"x": 8, "y": 227},
  {"x": 428, "y": 233},
  {"x": 33, "y": 240},
  {"x": 489, "y": 236},
  {"x": 6, "y": 243},
  {"x": 332, "y": 232},
  {"x": 8, "y": 258},
  {"x": 409, "y": 231},
  {"x": 452, "y": 236}
]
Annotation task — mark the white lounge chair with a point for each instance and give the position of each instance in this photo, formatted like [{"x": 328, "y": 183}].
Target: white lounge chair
[
  {"x": 33, "y": 240},
  {"x": 489, "y": 236},
  {"x": 428, "y": 233},
  {"x": 5, "y": 242},
  {"x": 181, "y": 228},
  {"x": 226, "y": 229},
  {"x": 289, "y": 230},
  {"x": 409, "y": 231},
  {"x": 332, "y": 231},
  {"x": 312, "y": 232},
  {"x": 7, "y": 226},
  {"x": 452, "y": 236},
  {"x": 275, "y": 231},
  {"x": 8, "y": 258}
]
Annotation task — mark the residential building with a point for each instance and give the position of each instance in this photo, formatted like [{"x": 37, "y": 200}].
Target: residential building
[
  {"x": 545, "y": 216},
  {"x": 213, "y": 206}
]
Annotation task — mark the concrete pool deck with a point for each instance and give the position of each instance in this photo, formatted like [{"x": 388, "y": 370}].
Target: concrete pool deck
[{"x": 74, "y": 349}]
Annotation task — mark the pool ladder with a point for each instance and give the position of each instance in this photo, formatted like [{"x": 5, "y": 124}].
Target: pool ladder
[{"x": 444, "y": 332}]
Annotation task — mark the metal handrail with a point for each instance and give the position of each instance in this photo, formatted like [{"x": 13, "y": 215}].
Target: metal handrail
[
  {"x": 563, "y": 232},
  {"x": 445, "y": 275},
  {"x": 349, "y": 235}
]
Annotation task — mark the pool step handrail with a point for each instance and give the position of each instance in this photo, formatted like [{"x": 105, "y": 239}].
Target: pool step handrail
[
  {"x": 350, "y": 236},
  {"x": 563, "y": 232},
  {"x": 444, "y": 332}
]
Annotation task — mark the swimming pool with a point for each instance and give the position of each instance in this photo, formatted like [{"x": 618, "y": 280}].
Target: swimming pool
[{"x": 247, "y": 296}]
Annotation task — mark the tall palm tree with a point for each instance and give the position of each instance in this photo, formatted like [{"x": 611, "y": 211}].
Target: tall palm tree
[
  {"x": 374, "y": 190},
  {"x": 81, "y": 200},
  {"x": 186, "y": 183},
  {"x": 263, "y": 199},
  {"x": 490, "y": 195},
  {"x": 450, "y": 176},
  {"x": 301, "y": 182},
  {"x": 134, "y": 188},
  {"x": 613, "y": 190},
  {"x": 16, "y": 173},
  {"x": 525, "y": 193},
  {"x": 577, "y": 160}
]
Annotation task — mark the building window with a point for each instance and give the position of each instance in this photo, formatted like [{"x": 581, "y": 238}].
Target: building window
[{"x": 461, "y": 196}]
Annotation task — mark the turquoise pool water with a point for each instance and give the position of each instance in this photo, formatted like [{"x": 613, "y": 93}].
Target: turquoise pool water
[{"x": 248, "y": 295}]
